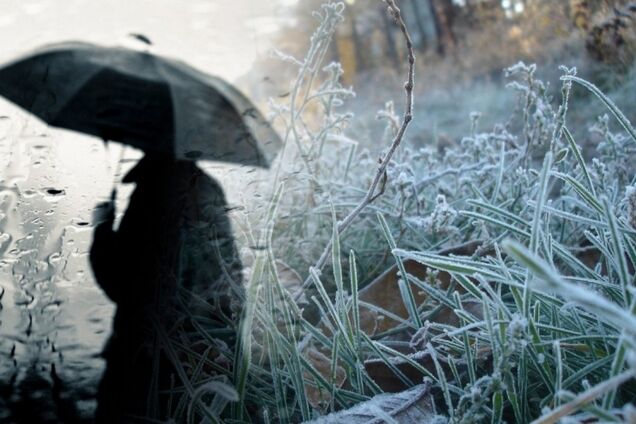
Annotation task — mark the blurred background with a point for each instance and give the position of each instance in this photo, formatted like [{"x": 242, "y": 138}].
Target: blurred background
[
  {"x": 54, "y": 320},
  {"x": 463, "y": 47}
]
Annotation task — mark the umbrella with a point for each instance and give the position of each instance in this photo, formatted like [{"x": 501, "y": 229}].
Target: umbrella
[{"x": 154, "y": 103}]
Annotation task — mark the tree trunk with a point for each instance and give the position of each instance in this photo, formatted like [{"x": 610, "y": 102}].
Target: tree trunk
[
  {"x": 355, "y": 38},
  {"x": 390, "y": 39},
  {"x": 580, "y": 14},
  {"x": 419, "y": 19},
  {"x": 443, "y": 14}
]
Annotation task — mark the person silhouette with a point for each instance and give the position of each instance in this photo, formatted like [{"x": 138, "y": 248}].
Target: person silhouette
[{"x": 173, "y": 271}]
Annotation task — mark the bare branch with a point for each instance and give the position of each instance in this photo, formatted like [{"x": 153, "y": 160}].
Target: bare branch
[{"x": 407, "y": 117}]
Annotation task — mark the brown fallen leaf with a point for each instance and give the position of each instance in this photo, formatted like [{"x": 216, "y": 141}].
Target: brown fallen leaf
[
  {"x": 320, "y": 398},
  {"x": 384, "y": 294},
  {"x": 413, "y": 406},
  {"x": 291, "y": 280},
  {"x": 590, "y": 256},
  {"x": 385, "y": 376}
]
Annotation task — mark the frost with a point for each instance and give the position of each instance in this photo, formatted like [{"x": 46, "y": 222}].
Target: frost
[
  {"x": 541, "y": 359},
  {"x": 420, "y": 339},
  {"x": 280, "y": 55},
  {"x": 442, "y": 216},
  {"x": 413, "y": 406},
  {"x": 629, "y": 413},
  {"x": 441, "y": 193},
  {"x": 630, "y": 199}
]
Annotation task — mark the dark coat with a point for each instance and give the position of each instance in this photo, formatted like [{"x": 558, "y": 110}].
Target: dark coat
[{"x": 174, "y": 273}]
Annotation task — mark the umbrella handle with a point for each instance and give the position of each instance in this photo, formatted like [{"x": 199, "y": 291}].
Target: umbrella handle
[
  {"x": 117, "y": 170},
  {"x": 118, "y": 166}
]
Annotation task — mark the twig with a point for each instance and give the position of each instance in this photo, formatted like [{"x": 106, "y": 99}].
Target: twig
[{"x": 407, "y": 117}]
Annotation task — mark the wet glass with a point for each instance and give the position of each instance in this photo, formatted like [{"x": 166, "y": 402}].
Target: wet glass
[{"x": 54, "y": 319}]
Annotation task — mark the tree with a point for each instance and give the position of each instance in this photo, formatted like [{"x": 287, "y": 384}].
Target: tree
[
  {"x": 420, "y": 21},
  {"x": 443, "y": 12},
  {"x": 391, "y": 49}
]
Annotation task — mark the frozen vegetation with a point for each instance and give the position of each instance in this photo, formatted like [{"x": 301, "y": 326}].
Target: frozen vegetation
[{"x": 542, "y": 309}]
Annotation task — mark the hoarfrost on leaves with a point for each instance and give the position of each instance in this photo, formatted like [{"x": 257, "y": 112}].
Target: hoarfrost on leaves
[{"x": 413, "y": 406}]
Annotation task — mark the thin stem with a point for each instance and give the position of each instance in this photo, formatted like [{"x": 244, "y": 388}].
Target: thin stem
[{"x": 407, "y": 117}]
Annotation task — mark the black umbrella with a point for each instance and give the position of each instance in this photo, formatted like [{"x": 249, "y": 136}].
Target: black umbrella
[{"x": 153, "y": 103}]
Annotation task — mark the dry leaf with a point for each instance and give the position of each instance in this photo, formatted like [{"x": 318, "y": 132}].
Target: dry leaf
[
  {"x": 413, "y": 406},
  {"x": 384, "y": 294},
  {"x": 318, "y": 398}
]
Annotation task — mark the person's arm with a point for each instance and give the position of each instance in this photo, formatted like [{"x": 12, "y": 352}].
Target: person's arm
[{"x": 104, "y": 252}]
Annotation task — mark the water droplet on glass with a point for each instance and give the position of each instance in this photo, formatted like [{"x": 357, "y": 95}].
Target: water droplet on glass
[
  {"x": 52, "y": 306},
  {"x": 52, "y": 194},
  {"x": 5, "y": 126},
  {"x": 5, "y": 240},
  {"x": 28, "y": 193},
  {"x": 55, "y": 258}
]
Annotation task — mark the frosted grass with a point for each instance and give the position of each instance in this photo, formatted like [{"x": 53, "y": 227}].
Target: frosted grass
[{"x": 553, "y": 274}]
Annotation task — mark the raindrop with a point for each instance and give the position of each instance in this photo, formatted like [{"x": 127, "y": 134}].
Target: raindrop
[
  {"x": 5, "y": 126},
  {"x": 80, "y": 223},
  {"x": 26, "y": 301},
  {"x": 14, "y": 252},
  {"x": 52, "y": 306},
  {"x": 29, "y": 329},
  {"x": 53, "y": 194},
  {"x": 95, "y": 320},
  {"x": 55, "y": 257},
  {"x": 28, "y": 193},
  {"x": 5, "y": 241}
]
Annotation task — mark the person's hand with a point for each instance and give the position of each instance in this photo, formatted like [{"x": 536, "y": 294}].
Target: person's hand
[{"x": 105, "y": 212}]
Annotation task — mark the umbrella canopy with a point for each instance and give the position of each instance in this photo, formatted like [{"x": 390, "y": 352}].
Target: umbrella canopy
[{"x": 150, "y": 102}]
